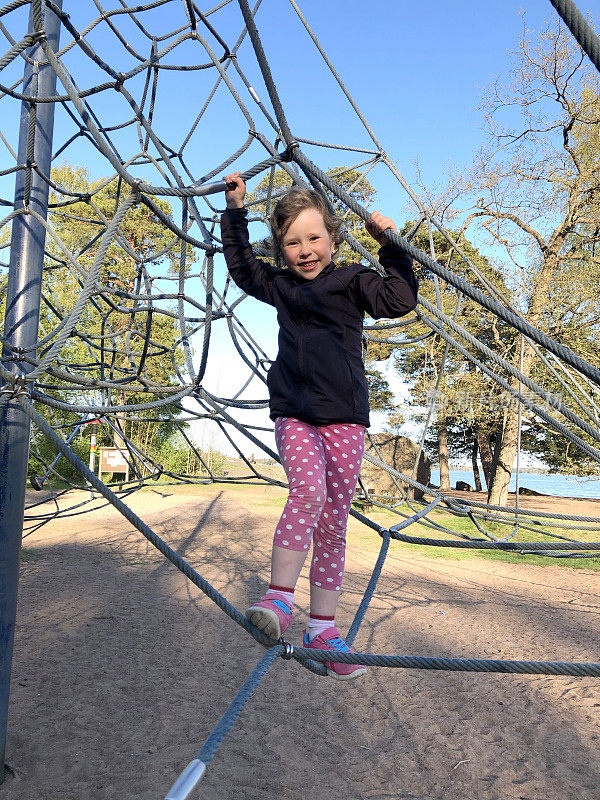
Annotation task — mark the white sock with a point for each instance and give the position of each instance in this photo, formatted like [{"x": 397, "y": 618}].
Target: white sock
[
  {"x": 287, "y": 596},
  {"x": 316, "y": 625}
]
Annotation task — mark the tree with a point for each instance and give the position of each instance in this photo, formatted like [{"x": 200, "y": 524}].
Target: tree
[
  {"x": 536, "y": 191},
  {"x": 119, "y": 338},
  {"x": 466, "y": 400},
  {"x": 381, "y": 397}
]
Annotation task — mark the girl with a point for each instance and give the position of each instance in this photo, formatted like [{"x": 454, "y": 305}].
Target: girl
[{"x": 318, "y": 393}]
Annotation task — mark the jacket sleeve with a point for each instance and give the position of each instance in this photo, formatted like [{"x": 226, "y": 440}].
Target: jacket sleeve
[
  {"x": 253, "y": 276},
  {"x": 391, "y": 295}
]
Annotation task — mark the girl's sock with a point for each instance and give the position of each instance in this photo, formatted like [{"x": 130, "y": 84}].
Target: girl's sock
[
  {"x": 282, "y": 591},
  {"x": 317, "y": 623}
]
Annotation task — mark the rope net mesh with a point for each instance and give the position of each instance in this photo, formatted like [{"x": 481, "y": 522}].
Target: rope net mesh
[{"x": 135, "y": 295}]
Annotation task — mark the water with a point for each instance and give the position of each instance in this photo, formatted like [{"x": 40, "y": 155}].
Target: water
[{"x": 561, "y": 485}]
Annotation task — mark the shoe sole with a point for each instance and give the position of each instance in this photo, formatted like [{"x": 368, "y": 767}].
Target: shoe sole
[
  {"x": 267, "y": 621},
  {"x": 355, "y": 674}
]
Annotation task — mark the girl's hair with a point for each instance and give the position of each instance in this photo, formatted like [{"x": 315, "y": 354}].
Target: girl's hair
[{"x": 287, "y": 210}]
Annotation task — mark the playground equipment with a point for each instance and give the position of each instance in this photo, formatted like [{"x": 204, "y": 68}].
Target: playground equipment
[{"x": 116, "y": 357}]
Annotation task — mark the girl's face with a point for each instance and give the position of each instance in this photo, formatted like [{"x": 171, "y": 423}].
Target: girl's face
[{"x": 307, "y": 246}]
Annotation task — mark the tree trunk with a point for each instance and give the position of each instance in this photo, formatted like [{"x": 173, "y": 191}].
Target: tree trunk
[
  {"x": 121, "y": 425},
  {"x": 443, "y": 445},
  {"x": 476, "y": 475},
  {"x": 482, "y": 440},
  {"x": 509, "y": 437},
  {"x": 498, "y": 491}
]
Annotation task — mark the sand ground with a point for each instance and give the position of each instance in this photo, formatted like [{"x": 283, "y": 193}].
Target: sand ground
[{"x": 122, "y": 667}]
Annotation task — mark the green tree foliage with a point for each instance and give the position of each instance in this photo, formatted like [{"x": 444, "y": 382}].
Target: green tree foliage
[
  {"x": 381, "y": 397},
  {"x": 467, "y": 401},
  {"x": 118, "y": 336},
  {"x": 535, "y": 189}
]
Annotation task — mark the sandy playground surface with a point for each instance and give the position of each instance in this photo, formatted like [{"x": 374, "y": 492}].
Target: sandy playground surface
[{"x": 122, "y": 667}]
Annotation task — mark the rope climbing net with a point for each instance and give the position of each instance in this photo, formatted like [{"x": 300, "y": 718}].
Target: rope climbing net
[{"x": 131, "y": 280}]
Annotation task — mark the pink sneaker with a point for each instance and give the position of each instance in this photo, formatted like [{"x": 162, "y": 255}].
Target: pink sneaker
[
  {"x": 330, "y": 639},
  {"x": 272, "y": 614}
]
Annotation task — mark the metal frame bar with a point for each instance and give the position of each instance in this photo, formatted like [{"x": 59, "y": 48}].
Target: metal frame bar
[{"x": 21, "y": 326}]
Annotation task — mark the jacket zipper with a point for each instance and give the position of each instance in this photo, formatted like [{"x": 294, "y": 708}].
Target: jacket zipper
[
  {"x": 301, "y": 361},
  {"x": 302, "y": 368},
  {"x": 351, "y": 374}
]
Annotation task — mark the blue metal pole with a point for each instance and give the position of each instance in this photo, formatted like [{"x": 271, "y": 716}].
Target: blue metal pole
[{"x": 21, "y": 326}]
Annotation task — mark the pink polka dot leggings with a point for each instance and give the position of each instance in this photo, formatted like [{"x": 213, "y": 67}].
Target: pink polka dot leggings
[{"x": 322, "y": 465}]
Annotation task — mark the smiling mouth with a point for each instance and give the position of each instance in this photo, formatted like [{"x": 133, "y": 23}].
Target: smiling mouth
[{"x": 308, "y": 265}]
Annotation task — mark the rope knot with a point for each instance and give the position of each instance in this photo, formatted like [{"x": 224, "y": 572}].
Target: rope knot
[{"x": 136, "y": 189}]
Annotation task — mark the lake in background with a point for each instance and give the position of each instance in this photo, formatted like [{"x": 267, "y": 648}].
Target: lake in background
[{"x": 561, "y": 485}]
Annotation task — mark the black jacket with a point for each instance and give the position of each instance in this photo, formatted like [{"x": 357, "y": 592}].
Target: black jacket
[{"x": 319, "y": 375}]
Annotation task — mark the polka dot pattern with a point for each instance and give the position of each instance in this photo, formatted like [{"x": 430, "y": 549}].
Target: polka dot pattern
[{"x": 320, "y": 490}]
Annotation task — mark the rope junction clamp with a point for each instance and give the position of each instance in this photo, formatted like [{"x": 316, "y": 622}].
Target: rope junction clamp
[
  {"x": 289, "y": 649},
  {"x": 287, "y": 153},
  {"x": 18, "y": 354},
  {"x": 17, "y": 389}
]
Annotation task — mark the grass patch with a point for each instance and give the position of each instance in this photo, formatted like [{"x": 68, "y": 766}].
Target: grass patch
[
  {"x": 260, "y": 494},
  {"x": 465, "y": 526},
  {"x": 27, "y": 554},
  {"x": 263, "y": 496}
]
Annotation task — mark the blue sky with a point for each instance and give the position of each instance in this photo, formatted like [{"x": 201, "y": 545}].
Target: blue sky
[
  {"x": 417, "y": 78},
  {"x": 418, "y": 74}
]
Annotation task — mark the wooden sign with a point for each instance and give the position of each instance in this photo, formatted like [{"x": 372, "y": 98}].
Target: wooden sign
[{"x": 113, "y": 460}]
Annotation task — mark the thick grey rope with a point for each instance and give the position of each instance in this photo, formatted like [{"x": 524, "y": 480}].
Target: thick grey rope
[
  {"x": 380, "y": 560},
  {"x": 141, "y": 526},
  {"x": 90, "y": 285},
  {"x": 510, "y": 368},
  {"x": 330, "y": 658},
  {"x": 192, "y": 774},
  {"x": 465, "y": 505},
  {"x": 457, "y": 281},
  {"x": 454, "y": 280},
  {"x": 558, "y": 426},
  {"x": 570, "y": 668},
  {"x": 370, "y": 590},
  {"x": 580, "y": 28}
]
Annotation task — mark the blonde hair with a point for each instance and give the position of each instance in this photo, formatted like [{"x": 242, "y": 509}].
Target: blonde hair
[{"x": 288, "y": 208}]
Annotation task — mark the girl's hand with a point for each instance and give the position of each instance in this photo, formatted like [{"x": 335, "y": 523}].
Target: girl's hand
[
  {"x": 235, "y": 196},
  {"x": 377, "y": 225}
]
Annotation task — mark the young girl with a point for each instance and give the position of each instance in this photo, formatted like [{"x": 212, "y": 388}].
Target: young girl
[{"x": 318, "y": 393}]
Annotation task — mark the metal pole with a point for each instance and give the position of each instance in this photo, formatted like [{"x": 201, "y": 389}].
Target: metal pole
[
  {"x": 21, "y": 328},
  {"x": 93, "y": 448}
]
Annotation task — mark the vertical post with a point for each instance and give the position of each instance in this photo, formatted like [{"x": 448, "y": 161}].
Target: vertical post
[
  {"x": 21, "y": 328},
  {"x": 93, "y": 448}
]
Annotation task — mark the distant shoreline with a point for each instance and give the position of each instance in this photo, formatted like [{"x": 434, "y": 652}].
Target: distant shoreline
[
  {"x": 526, "y": 471},
  {"x": 546, "y": 483}
]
